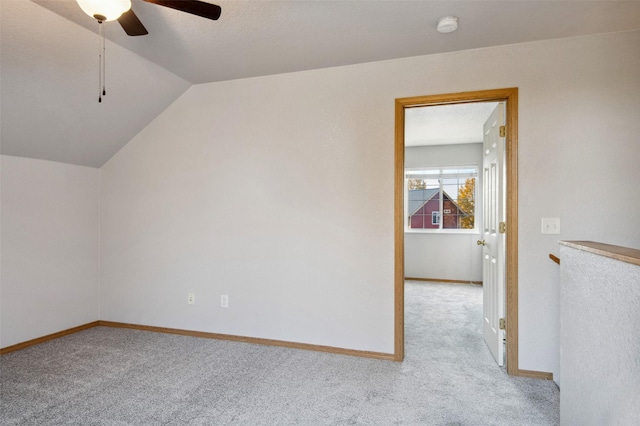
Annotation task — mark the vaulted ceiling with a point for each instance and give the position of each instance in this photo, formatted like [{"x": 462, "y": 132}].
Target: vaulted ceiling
[{"x": 49, "y": 55}]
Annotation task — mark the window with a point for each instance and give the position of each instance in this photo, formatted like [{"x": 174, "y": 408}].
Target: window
[
  {"x": 441, "y": 198},
  {"x": 435, "y": 218}
]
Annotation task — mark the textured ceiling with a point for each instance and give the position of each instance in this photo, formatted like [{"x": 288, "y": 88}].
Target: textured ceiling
[
  {"x": 446, "y": 124},
  {"x": 48, "y": 55}
]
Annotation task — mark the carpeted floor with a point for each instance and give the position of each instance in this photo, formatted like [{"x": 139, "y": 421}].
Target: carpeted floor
[{"x": 107, "y": 376}]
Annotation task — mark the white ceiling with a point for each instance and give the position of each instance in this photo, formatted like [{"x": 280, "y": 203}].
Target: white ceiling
[
  {"x": 48, "y": 55},
  {"x": 446, "y": 124}
]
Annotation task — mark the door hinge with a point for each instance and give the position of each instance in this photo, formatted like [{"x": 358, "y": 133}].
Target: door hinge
[
  {"x": 502, "y": 227},
  {"x": 503, "y": 324},
  {"x": 503, "y": 131}
]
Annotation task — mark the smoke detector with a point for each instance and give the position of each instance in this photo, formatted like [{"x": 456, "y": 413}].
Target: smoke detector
[{"x": 447, "y": 24}]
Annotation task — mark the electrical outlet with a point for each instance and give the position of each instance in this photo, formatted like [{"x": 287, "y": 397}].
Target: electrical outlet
[
  {"x": 550, "y": 225},
  {"x": 191, "y": 298},
  {"x": 224, "y": 301}
]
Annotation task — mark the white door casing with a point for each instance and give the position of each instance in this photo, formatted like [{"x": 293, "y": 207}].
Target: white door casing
[{"x": 493, "y": 241}]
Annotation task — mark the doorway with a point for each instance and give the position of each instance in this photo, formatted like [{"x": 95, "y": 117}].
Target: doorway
[{"x": 510, "y": 97}]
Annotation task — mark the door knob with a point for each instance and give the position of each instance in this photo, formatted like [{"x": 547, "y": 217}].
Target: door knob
[{"x": 481, "y": 243}]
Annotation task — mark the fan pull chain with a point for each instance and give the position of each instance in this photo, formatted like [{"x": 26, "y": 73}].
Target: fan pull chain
[
  {"x": 104, "y": 64},
  {"x": 101, "y": 63}
]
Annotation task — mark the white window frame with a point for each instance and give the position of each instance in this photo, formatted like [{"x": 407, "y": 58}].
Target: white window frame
[{"x": 414, "y": 172}]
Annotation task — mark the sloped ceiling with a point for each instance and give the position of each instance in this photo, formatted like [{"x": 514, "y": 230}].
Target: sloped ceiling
[
  {"x": 49, "y": 48},
  {"x": 49, "y": 89}
]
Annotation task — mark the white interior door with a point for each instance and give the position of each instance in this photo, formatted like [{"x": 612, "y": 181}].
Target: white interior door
[{"x": 493, "y": 241}]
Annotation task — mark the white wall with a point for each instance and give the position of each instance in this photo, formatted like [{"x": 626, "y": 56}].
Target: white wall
[
  {"x": 273, "y": 191},
  {"x": 600, "y": 344},
  {"x": 578, "y": 161},
  {"x": 50, "y": 248},
  {"x": 448, "y": 256},
  {"x": 311, "y": 154}
]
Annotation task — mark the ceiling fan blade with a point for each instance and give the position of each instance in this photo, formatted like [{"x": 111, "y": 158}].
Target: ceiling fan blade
[
  {"x": 131, "y": 24},
  {"x": 194, "y": 7}
]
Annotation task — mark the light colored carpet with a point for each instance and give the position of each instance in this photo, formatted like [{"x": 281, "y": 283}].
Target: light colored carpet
[{"x": 106, "y": 376}]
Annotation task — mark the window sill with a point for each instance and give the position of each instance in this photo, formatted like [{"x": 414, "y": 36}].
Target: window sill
[{"x": 443, "y": 231}]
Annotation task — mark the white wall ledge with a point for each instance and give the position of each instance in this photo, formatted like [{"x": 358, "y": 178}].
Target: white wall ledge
[{"x": 623, "y": 254}]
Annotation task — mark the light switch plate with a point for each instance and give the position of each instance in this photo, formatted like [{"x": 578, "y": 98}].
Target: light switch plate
[{"x": 550, "y": 225}]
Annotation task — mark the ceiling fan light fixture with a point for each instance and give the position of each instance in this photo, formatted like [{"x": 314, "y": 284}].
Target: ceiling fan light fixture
[{"x": 104, "y": 10}]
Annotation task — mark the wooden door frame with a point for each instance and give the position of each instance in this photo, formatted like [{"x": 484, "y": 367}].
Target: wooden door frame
[{"x": 510, "y": 95}]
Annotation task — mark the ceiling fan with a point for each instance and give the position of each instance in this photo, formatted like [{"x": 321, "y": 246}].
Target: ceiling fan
[{"x": 110, "y": 10}]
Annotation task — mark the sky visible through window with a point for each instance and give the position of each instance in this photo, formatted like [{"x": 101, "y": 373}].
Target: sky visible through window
[{"x": 450, "y": 184}]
